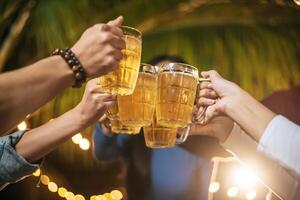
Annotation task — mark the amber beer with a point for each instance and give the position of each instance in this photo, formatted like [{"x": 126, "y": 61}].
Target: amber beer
[
  {"x": 177, "y": 86},
  {"x": 116, "y": 124},
  {"x": 159, "y": 137},
  {"x": 137, "y": 109},
  {"x": 123, "y": 80},
  {"x": 163, "y": 137}
]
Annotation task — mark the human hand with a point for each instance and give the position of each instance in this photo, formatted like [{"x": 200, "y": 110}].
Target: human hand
[
  {"x": 99, "y": 48},
  {"x": 93, "y": 104},
  {"x": 217, "y": 95},
  {"x": 105, "y": 124},
  {"x": 219, "y": 127}
]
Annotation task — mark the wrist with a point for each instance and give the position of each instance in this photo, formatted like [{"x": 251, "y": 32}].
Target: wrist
[{"x": 79, "y": 120}]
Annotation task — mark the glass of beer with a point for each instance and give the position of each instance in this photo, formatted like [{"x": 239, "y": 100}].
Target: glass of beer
[
  {"x": 163, "y": 137},
  {"x": 137, "y": 109},
  {"x": 122, "y": 81},
  {"x": 116, "y": 124},
  {"x": 177, "y": 86}
]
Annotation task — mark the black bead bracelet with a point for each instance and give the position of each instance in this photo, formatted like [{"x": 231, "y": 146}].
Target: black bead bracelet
[{"x": 74, "y": 64}]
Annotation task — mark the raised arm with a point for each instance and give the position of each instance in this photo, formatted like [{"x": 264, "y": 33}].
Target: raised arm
[
  {"x": 25, "y": 90},
  {"x": 33, "y": 145}
]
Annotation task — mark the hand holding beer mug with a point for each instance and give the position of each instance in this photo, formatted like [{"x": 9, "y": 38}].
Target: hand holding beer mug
[
  {"x": 122, "y": 81},
  {"x": 177, "y": 87},
  {"x": 116, "y": 124}
]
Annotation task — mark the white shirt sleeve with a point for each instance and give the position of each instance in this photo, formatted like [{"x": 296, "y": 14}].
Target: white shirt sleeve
[
  {"x": 281, "y": 141},
  {"x": 270, "y": 172}
]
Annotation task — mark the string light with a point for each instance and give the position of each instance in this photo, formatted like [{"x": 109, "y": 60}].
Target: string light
[
  {"x": 251, "y": 194},
  {"x": 77, "y": 138},
  {"x": 79, "y": 197},
  {"x": 84, "y": 144},
  {"x": 214, "y": 187},
  {"x": 116, "y": 195},
  {"x": 232, "y": 192},
  {"x": 52, "y": 187},
  {"x": 62, "y": 192},
  {"x": 22, "y": 126},
  {"x": 45, "y": 180},
  {"x": 70, "y": 196},
  {"x": 37, "y": 172}
]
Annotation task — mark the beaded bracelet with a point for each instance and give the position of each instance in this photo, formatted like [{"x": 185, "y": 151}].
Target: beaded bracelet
[{"x": 74, "y": 64}]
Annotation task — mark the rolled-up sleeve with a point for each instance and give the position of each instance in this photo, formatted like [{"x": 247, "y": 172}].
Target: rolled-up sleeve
[
  {"x": 13, "y": 167},
  {"x": 281, "y": 141}
]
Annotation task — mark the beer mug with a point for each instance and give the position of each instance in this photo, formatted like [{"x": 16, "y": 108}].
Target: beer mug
[
  {"x": 116, "y": 125},
  {"x": 122, "y": 81},
  {"x": 137, "y": 109},
  {"x": 163, "y": 137}
]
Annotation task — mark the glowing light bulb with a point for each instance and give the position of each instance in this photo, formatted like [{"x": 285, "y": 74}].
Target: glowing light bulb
[
  {"x": 22, "y": 126},
  {"x": 70, "y": 196},
  {"x": 101, "y": 197},
  {"x": 214, "y": 187},
  {"x": 232, "y": 192},
  {"x": 79, "y": 197},
  {"x": 84, "y": 144},
  {"x": 251, "y": 194},
  {"x": 62, "y": 192},
  {"x": 45, "y": 180},
  {"x": 116, "y": 195},
  {"x": 94, "y": 197},
  {"x": 297, "y": 2},
  {"x": 77, "y": 138},
  {"x": 52, "y": 187},
  {"x": 37, "y": 172}
]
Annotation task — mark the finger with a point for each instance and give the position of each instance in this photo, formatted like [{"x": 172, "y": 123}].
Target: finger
[
  {"x": 116, "y": 31},
  {"x": 208, "y": 93},
  {"x": 103, "y": 97},
  {"x": 203, "y": 101},
  {"x": 103, "y": 118},
  {"x": 206, "y": 85},
  {"x": 117, "y": 22},
  {"x": 118, "y": 43},
  {"x": 211, "y": 111}
]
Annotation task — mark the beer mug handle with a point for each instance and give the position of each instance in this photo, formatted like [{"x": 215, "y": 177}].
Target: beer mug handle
[{"x": 183, "y": 135}]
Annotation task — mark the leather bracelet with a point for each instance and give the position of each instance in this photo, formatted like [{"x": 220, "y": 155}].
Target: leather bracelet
[{"x": 74, "y": 64}]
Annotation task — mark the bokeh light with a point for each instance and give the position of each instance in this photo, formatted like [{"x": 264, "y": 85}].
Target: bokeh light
[
  {"x": 251, "y": 194},
  {"x": 22, "y": 126},
  {"x": 45, "y": 180},
  {"x": 214, "y": 187},
  {"x": 37, "y": 172},
  {"x": 233, "y": 191},
  {"x": 62, "y": 192},
  {"x": 244, "y": 178},
  {"x": 79, "y": 197},
  {"x": 84, "y": 144},
  {"x": 116, "y": 195},
  {"x": 52, "y": 187},
  {"x": 77, "y": 138}
]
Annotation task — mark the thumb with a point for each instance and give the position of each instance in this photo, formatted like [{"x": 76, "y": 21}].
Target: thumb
[
  {"x": 211, "y": 112},
  {"x": 116, "y": 22}
]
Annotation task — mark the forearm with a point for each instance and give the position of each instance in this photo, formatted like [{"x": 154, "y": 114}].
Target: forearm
[
  {"x": 250, "y": 114},
  {"x": 29, "y": 88},
  {"x": 38, "y": 142}
]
